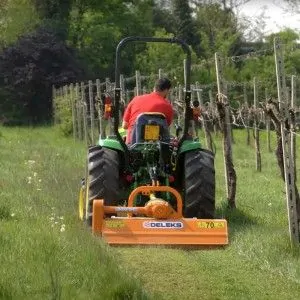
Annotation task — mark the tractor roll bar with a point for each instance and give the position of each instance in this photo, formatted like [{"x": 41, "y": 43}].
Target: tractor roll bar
[{"x": 187, "y": 79}]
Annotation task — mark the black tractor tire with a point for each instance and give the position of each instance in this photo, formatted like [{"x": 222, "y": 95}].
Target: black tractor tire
[
  {"x": 103, "y": 178},
  {"x": 199, "y": 184}
]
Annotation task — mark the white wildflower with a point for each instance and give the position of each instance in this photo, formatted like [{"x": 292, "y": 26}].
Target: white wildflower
[
  {"x": 270, "y": 204},
  {"x": 62, "y": 229},
  {"x": 40, "y": 180},
  {"x": 12, "y": 215},
  {"x": 61, "y": 217},
  {"x": 51, "y": 218},
  {"x": 38, "y": 189}
]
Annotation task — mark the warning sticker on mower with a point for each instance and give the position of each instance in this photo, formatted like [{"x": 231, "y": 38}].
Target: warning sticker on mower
[
  {"x": 163, "y": 224},
  {"x": 211, "y": 225},
  {"x": 114, "y": 224}
]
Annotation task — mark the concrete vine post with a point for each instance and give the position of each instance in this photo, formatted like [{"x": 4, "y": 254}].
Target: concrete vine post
[
  {"x": 289, "y": 175},
  {"x": 256, "y": 131},
  {"x": 223, "y": 109},
  {"x": 92, "y": 110}
]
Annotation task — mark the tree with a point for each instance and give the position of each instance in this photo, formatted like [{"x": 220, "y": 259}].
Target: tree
[
  {"x": 97, "y": 27},
  {"x": 55, "y": 15},
  {"x": 184, "y": 26},
  {"x": 16, "y": 18},
  {"x": 219, "y": 30},
  {"x": 28, "y": 70}
]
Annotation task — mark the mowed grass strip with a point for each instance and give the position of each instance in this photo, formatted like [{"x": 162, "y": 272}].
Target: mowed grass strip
[
  {"x": 257, "y": 264},
  {"x": 46, "y": 253}
]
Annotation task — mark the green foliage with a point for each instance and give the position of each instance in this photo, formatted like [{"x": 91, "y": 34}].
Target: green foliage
[
  {"x": 184, "y": 25},
  {"x": 63, "y": 115},
  {"x": 218, "y": 30},
  {"x": 169, "y": 57},
  {"x": 16, "y": 18}
]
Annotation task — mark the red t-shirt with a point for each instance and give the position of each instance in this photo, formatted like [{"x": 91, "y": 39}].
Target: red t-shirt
[{"x": 152, "y": 102}]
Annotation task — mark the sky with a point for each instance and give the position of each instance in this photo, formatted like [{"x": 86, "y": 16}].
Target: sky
[{"x": 277, "y": 18}]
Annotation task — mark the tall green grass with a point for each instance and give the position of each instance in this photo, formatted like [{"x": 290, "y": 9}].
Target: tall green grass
[
  {"x": 257, "y": 264},
  {"x": 45, "y": 252}
]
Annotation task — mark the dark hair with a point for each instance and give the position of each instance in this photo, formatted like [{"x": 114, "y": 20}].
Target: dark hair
[
  {"x": 162, "y": 84},
  {"x": 196, "y": 103}
]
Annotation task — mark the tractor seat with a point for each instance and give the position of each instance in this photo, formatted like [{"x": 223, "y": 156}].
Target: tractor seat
[{"x": 150, "y": 126}]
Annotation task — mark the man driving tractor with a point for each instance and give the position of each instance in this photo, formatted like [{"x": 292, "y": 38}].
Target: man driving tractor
[{"x": 152, "y": 102}]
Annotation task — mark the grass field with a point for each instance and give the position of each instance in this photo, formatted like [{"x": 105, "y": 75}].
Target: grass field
[{"x": 47, "y": 254}]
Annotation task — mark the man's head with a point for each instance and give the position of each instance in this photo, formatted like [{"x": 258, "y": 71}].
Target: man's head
[{"x": 163, "y": 86}]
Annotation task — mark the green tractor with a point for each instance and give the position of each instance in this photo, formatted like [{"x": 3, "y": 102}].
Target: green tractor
[{"x": 155, "y": 157}]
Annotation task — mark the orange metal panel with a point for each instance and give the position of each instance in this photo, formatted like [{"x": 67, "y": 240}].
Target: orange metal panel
[
  {"x": 150, "y": 231},
  {"x": 164, "y": 232}
]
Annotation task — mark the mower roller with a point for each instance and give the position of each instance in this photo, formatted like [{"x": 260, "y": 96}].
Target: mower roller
[{"x": 160, "y": 189}]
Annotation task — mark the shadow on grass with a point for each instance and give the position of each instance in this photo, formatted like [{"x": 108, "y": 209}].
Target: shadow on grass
[
  {"x": 5, "y": 213},
  {"x": 238, "y": 220}
]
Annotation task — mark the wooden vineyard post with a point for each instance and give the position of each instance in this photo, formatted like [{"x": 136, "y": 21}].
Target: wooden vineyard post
[
  {"x": 208, "y": 139},
  {"x": 123, "y": 98},
  {"x": 293, "y": 129},
  {"x": 99, "y": 106},
  {"x": 256, "y": 131},
  {"x": 72, "y": 100},
  {"x": 223, "y": 109},
  {"x": 78, "y": 110},
  {"x": 180, "y": 101},
  {"x": 92, "y": 110},
  {"x": 289, "y": 176},
  {"x": 54, "y": 95},
  {"x": 268, "y": 125},
  {"x": 213, "y": 109},
  {"x": 160, "y": 73},
  {"x": 84, "y": 113},
  {"x": 247, "y": 110},
  {"x": 107, "y": 84},
  {"x": 122, "y": 85},
  {"x": 138, "y": 82}
]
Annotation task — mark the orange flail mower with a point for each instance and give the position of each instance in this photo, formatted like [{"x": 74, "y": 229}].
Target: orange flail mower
[{"x": 158, "y": 224}]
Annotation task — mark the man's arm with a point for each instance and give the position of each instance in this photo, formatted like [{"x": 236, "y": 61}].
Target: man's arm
[
  {"x": 125, "y": 124},
  {"x": 170, "y": 115}
]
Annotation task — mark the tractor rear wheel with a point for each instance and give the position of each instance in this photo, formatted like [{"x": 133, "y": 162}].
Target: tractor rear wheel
[
  {"x": 199, "y": 184},
  {"x": 103, "y": 178}
]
